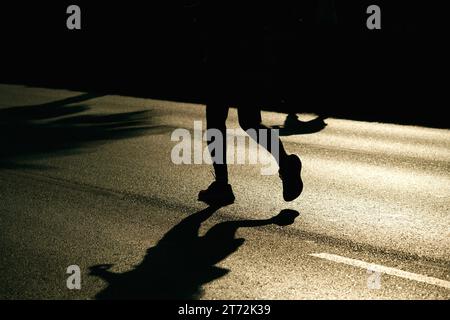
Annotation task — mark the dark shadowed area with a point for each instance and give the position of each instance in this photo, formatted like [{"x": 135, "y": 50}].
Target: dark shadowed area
[
  {"x": 318, "y": 55},
  {"x": 63, "y": 127}
]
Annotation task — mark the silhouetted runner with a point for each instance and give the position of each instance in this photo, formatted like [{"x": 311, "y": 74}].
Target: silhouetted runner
[{"x": 234, "y": 76}]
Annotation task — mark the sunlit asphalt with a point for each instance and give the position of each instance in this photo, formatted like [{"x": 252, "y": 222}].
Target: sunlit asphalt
[{"x": 91, "y": 182}]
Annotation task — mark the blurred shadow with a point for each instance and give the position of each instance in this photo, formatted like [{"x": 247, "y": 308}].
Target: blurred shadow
[
  {"x": 63, "y": 125},
  {"x": 182, "y": 261},
  {"x": 294, "y": 126}
]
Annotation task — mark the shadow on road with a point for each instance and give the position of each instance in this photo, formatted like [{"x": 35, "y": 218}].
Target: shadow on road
[
  {"x": 45, "y": 129},
  {"x": 182, "y": 261},
  {"x": 295, "y": 126}
]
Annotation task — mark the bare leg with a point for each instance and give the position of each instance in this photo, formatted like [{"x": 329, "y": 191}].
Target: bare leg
[
  {"x": 290, "y": 165},
  {"x": 216, "y": 116},
  {"x": 219, "y": 192},
  {"x": 250, "y": 118}
]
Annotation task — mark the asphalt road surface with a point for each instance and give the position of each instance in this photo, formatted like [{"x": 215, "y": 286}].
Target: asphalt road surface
[{"x": 88, "y": 180}]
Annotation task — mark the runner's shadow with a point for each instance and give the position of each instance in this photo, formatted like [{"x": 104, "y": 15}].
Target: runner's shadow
[
  {"x": 294, "y": 126},
  {"x": 182, "y": 261}
]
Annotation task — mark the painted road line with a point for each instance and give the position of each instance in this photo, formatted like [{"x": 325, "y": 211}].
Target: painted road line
[{"x": 383, "y": 269}]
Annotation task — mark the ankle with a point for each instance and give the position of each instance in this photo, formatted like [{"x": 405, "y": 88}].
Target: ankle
[{"x": 222, "y": 181}]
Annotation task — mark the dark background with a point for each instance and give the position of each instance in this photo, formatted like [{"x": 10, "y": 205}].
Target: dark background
[{"x": 156, "y": 49}]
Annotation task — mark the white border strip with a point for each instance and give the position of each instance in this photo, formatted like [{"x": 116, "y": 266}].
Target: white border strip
[{"x": 383, "y": 269}]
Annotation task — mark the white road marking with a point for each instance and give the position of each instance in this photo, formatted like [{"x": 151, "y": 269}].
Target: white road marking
[{"x": 383, "y": 269}]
